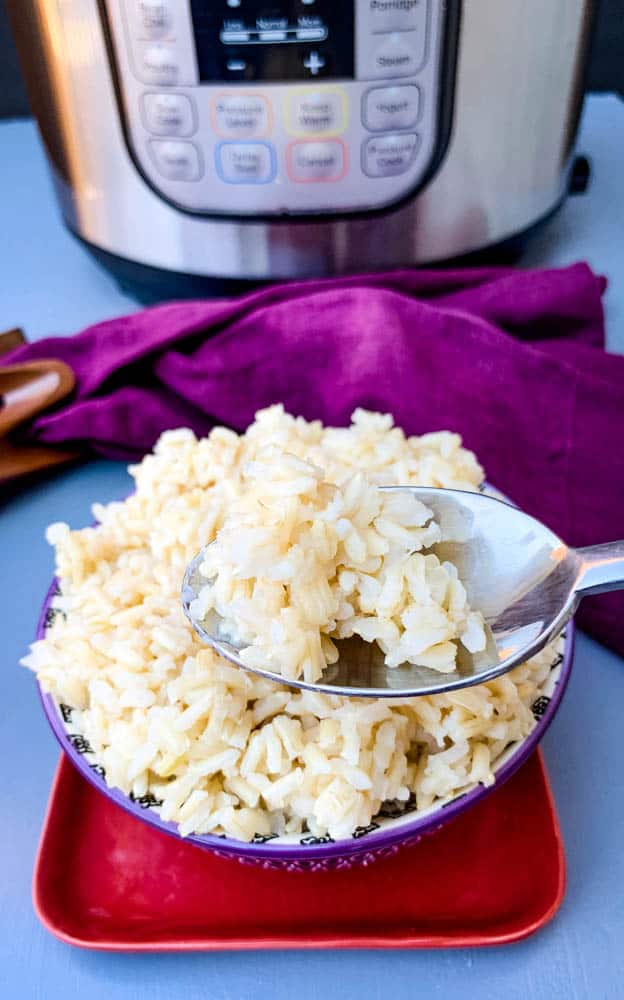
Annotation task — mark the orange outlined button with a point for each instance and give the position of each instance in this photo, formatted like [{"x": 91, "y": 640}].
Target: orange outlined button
[
  {"x": 241, "y": 116},
  {"x": 312, "y": 162}
]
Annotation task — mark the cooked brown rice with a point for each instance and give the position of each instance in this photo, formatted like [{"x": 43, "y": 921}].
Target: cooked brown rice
[{"x": 225, "y": 751}]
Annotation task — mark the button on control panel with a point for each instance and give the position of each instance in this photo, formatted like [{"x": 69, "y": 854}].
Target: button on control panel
[
  {"x": 397, "y": 15},
  {"x": 169, "y": 114},
  {"x": 245, "y": 162},
  {"x": 242, "y": 116},
  {"x": 388, "y": 108},
  {"x": 317, "y": 161},
  {"x": 179, "y": 161},
  {"x": 151, "y": 18},
  {"x": 317, "y": 112},
  {"x": 159, "y": 65},
  {"x": 397, "y": 54},
  {"x": 389, "y": 155},
  {"x": 293, "y": 107}
]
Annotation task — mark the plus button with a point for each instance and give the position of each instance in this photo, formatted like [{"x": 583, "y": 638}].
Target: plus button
[{"x": 314, "y": 62}]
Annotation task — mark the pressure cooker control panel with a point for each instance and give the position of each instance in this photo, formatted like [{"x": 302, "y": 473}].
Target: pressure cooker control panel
[{"x": 281, "y": 107}]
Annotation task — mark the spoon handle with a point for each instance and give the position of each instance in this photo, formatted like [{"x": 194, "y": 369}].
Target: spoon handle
[{"x": 602, "y": 568}]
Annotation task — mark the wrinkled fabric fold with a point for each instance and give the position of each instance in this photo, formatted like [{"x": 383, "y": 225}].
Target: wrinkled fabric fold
[{"x": 512, "y": 360}]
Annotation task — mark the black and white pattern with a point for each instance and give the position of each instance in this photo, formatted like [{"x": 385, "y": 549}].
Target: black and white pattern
[
  {"x": 395, "y": 808},
  {"x": 80, "y": 743},
  {"x": 311, "y": 841},
  {"x": 51, "y": 615},
  {"x": 66, "y": 713},
  {"x": 363, "y": 831},
  {"x": 540, "y": 705},
  {"x": 263, "y": 838},
  {"x": 145, "y": 801}
]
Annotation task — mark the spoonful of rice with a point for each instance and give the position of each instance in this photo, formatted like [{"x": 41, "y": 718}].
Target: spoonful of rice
[{"x": 382, "y": 592}]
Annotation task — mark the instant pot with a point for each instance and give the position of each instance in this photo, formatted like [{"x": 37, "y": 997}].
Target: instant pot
[{"x": 194, "y": 141}]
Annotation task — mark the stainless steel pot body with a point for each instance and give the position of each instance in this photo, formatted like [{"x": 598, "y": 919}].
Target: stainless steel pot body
[{"x": 518, "y": 85}]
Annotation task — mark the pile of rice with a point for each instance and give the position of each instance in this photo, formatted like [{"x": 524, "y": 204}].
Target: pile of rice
[
  {"x": 227, "y": 752},
  {"x": 300, "y": 561}
]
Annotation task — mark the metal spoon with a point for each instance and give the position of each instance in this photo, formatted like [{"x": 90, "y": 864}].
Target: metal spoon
[{"x": 526, "y": 582}]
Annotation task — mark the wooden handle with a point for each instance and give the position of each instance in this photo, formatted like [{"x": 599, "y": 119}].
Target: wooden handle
[
  {"x": 30, "y": 388},
  {"x": 25, "y": 391}
]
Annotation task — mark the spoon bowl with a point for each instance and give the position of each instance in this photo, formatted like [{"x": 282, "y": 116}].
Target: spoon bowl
[{"x": 524, "y": 579}]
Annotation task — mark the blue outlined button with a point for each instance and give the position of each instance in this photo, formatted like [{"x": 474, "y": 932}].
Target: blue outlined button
[{"x": 246, "y": 162}]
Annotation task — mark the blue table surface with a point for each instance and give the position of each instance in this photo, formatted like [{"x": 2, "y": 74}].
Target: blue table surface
[{"x": 49, "y": 285}]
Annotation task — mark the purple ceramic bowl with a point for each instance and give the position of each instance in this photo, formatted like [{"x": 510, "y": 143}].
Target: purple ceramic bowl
[{"x": 398, "y": 823}]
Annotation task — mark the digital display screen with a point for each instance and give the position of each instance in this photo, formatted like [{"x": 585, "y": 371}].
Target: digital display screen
[{"x": 284, "y": 40}]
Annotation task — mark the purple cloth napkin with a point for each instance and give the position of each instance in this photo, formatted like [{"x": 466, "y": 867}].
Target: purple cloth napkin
[{"x": 513, "y": 360}]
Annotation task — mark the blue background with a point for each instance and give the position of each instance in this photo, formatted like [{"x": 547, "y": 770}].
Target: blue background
[{"x": 49, "y": 285}]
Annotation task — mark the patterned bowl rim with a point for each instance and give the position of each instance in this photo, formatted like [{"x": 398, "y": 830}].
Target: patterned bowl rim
[{"x": 377, "y": 841}]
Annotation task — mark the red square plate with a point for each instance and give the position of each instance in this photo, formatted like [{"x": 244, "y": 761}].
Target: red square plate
[{"x": 105, "y": 880}]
